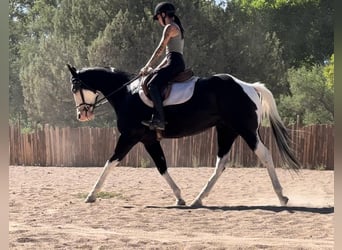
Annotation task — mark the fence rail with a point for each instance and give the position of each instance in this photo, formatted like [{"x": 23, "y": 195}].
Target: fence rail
[{"x": 54, "y": 146}]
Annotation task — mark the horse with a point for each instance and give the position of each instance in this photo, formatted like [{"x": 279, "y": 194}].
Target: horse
[{"x": 234, "y": 107}]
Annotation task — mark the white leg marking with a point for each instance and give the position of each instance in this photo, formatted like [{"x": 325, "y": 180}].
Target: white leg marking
[
  {"x": 97, "y": 187},
  {"x": 219, "y": 168},
  {"x": 175, "y": 189},
  {"x": 265, "y": 156}
]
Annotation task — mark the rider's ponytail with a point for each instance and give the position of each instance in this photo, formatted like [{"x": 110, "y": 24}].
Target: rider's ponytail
[{"x": 178, "y": 22}]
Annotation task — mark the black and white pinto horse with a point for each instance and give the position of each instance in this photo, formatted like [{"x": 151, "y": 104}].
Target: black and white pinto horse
[{"x": 234, "y": 107}]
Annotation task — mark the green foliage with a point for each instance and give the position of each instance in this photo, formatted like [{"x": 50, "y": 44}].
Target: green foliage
[
  {"x": 304, "y": 27},
  {"x": 17, "y": 22},
  {"x": 305, "y": 31},
  {"x": 254, "y": 40},
  {"x": 260, "y": 4},
  {"x": 145, "y": 163},
  {"x": 253, "y": 53},
  {"x": 329, "y": 73},
  {"x": 311, "y": 98},
  {"x": 102, "y": 195},
  {"x": 114, "y": 45}
]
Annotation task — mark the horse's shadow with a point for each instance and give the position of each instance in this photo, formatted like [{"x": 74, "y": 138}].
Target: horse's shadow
[{"x": 276, "y": 209}]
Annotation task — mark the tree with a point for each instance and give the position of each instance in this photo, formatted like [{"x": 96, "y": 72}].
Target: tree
[
  {"x": 44, "y": 76},
  {"x": 312, "y": 99},
  {"x": 329, "y": 73},
  {"x": 304, "y": 27},
  {"x": 18, "y": 12},
  {"x": 251, "y": 39},
  {"x": 118, "y": 45},
  {"x": 252, "y": 52}
]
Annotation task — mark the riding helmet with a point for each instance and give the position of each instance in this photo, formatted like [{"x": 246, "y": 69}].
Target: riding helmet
[{"x": 165, "y": 7}]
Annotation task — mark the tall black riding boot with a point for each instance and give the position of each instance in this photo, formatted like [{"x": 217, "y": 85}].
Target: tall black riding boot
[{"x": 158, "y": 119}]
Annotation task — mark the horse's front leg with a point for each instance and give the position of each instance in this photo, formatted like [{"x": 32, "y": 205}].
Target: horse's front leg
[
  {"x": 123, "y": 146},
  {"x": 157, "y": 154},
  {"x": 99, "y": 183}
]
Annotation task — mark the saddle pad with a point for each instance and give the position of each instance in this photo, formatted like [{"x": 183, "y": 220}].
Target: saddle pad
[{"x": 180, "y": 93}]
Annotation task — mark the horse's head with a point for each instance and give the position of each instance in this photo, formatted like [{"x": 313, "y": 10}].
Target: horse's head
[{"x": 85, "y": 96}]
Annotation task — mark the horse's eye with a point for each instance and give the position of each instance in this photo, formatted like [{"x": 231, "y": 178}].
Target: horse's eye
[
  {"x": 73, "y": 89},
  {"x": 74, "y": 81}
]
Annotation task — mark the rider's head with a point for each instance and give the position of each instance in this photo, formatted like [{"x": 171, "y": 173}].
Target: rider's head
[{"x": 164, "y": 7}]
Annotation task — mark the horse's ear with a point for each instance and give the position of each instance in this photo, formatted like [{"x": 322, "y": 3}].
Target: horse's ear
[{"x": 72, "y": 70}]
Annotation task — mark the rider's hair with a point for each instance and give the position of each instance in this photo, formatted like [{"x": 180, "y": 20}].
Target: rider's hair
[
  {"x": 178, "y": 22},
  {"x": 169, "y": 10}
]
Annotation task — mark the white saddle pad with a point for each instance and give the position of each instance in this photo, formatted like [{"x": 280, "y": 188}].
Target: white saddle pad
[{"x": 180, "y": 92}]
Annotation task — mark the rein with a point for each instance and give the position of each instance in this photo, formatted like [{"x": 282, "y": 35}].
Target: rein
[{"x": 103, "y": 100}]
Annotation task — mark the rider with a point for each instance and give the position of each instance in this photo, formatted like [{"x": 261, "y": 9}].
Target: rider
[{"x": 173, "y": 41}]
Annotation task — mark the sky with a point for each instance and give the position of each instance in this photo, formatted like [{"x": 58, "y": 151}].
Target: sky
[{"x": 219, "y": 1}]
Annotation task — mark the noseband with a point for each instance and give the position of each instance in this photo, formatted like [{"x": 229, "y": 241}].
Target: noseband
[{"x": 79, "y": 85}]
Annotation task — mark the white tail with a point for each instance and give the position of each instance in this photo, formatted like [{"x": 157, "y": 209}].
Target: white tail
[{"x": 270, "y": 111}]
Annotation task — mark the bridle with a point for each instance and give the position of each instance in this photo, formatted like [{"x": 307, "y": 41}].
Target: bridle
[{"x": 79, "y": 85}]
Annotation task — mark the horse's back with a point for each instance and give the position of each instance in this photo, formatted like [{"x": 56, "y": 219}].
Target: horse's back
[
  {"x": 228, "y": 89},
  {"x": 237, "y": 101}
]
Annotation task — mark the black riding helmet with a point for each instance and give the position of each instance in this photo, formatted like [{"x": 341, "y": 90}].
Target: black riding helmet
[{"x": 165, "y": 7}]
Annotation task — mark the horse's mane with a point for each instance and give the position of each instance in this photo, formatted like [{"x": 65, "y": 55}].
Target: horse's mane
[{"x": 119, "y": 73}]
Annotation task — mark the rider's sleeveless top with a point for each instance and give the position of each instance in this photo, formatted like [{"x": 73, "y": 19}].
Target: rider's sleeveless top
[{"x": 175, "y": 44}]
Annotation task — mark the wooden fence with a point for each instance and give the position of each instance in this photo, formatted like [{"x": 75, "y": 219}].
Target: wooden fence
[{"x": 54, "y": 146}]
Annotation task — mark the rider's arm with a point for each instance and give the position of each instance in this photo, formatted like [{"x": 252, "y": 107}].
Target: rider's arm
[
  {"x": 169, "y": 32},
  {"x": 162, "y": 63}
]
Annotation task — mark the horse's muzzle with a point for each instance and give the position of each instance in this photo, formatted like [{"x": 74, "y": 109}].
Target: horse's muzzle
[{"x": 85, "y": 115}]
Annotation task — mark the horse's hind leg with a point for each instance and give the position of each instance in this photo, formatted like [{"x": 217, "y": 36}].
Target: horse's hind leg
[
  {"x": 266, "y": 158},
  {"x": 219, "y": 168},
  {"x": 254, "y": 142},
  {"x": 225, "y": 139}
]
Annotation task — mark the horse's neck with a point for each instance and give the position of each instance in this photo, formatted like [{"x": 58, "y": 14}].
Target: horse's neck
[
  {"x": 115, "y": 89},
  {"x": 111, "y": 83}
]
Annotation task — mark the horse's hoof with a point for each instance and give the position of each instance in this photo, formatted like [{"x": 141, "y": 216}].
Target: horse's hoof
[
  {"x": 90, "y": 199},
  {"x": 284, "y": 200},
  {"x": 180, "y": 202},
  {"x": 196, "y": 203}
]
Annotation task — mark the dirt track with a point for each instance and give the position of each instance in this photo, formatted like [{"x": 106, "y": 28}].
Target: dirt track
[{"x": 242, "y": 212}]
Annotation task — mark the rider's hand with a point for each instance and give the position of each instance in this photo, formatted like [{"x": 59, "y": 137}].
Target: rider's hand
[{"x": 145, "y": 70}]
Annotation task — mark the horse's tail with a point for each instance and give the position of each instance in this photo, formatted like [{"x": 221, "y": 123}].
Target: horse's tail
[{"x": 269, "y": 110}]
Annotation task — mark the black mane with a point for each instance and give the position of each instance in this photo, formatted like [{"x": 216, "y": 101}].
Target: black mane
[{"x": 120, "y": 74}]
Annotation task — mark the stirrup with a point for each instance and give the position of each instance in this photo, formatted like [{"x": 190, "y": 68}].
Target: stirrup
[{"x": 154, "y": 124}]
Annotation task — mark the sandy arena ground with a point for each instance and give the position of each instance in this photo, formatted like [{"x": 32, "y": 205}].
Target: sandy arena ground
[{"x": 242, "y": 212}]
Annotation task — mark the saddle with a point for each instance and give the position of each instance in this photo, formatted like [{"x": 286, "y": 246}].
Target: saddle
[{"x": 181, "y": 77}]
